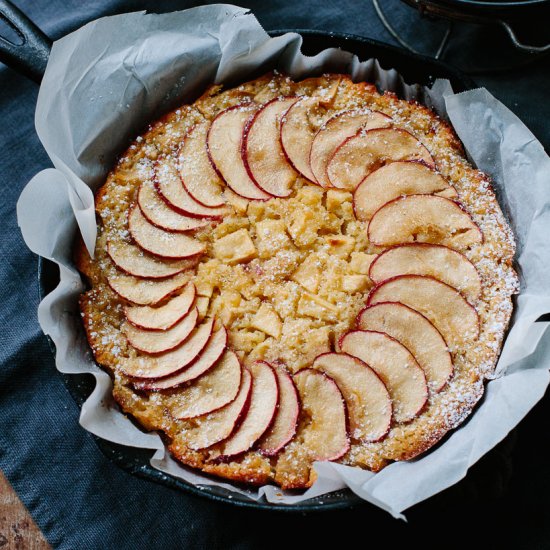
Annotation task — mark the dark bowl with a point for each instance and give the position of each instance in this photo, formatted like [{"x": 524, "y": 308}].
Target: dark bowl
[{"x": 415, "y": 69}]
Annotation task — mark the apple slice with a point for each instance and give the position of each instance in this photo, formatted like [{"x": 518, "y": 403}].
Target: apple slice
[
  {"x": 159, "y": 242},
  {"x": 171, "y": 190},
  {"x": 224, "y": 146},
  {"x": 154, "y": 341},
  {"x": 438, "y": 261},
  {"x": 297, "y": 134},
  {"x": 219, "y": 425},
  {"x": 367, "y": 399},
  {"x": 163, "y": 317},
  {"x": 166, "y": 364},
  {"x": 395, "y": 365},
  {"x": 396, "y": 179},
  {"x": 160, "y": 214},
  {"x": 134, "y": 261},
  {"x": 416, "y": 333},
  {"x": 441, "y": 304},
  {"x": 362, "y": 153},
  {"x": 284, "y": 425},
  {"x": 144, "y": 292},
  {"x": 325, "y": 435},
  {"x": 199, "y": 178},
  {"x": 425, "y": 219},
  {"x": 260, "y": 414},
  {"x": 334, "y": 132},
  {"x": 262, "y": 153},
  {"x": 207, "y": 358},
  {"x": 212, "y": 391}
]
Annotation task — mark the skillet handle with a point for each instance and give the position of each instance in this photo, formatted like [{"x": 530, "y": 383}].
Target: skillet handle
[
  {"x": 519, "y": 45},
  {"x": 29, "y": 57}
]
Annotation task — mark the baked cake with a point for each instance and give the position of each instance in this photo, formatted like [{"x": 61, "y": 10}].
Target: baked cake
[{"x": 289, "y": 271}]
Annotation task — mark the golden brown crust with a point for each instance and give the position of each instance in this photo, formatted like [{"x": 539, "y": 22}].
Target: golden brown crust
[{"x": 102, "y": 308}]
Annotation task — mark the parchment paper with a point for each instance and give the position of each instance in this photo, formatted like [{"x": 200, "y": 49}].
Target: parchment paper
[{"x": 107, "y": 80}]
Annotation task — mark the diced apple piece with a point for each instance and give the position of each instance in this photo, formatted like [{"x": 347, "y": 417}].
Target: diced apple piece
[
  {"x": 207, "y": 358},
  {"x": 297, "y": 134},
  {"x": 441, "y": 304},
  {"x": 262, "y": 153},
  {"x": 197, "y": 175},
  {"x": 367, "y": 150},
  {"x": 144, "y": 292},
  {"x": 367, "y": 399},
  {"x": 224, "y": 144},
  {"x": 416, "y": 333},
  {"x": 437, "y": 261},
  {"x": 395, "y": 365},
  {"x": 219, "y": 425},
  {"x": 340, "y": 245},
  {"x": 334, "y": 132},
  {"x": 284, "y": 424},
  {"x": 170, "y": 188},
  {"x": 263, "y": 404},
  {"x": 171, "y": 362},
  {"x": 335, "y": 199},
  {"x": 159, "y": 242},
  {"x": 325, "y": 436},
  {"x": 202, "y": 304},
  {"x": 163, "y": 317},
  {"x": 308, "y": 273},
  {"x": 149, "y": 341},
  {"x": 355, "y": 283},
  {"x": 316, "y": 307},
  {"x": 235, "y": 247},
  {"x": 212, "y": 391},
  {"x": 397, "y": 179},
  {"x": 160, "y": 214},
  {"x": 424, "y": 219},
  {"x": 271, "y": 237},
  {"x": 239, "y": 204},
  {"x": 361, "y": 262},
  {"x": 132, "y": 260},
  {"x": 267, "y": 320}
]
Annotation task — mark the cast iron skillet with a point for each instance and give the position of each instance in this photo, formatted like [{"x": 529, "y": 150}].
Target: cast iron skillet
[{"x": 30, "y": 58}]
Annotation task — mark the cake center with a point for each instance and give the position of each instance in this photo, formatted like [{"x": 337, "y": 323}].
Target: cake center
[{"x": 287, "y": 276}]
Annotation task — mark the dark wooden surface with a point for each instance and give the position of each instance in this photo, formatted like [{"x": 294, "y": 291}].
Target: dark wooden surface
[{"x": 17, "y": 528}]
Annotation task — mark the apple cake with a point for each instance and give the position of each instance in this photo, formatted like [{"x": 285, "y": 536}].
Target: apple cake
[{"x": 289, "y": 272}]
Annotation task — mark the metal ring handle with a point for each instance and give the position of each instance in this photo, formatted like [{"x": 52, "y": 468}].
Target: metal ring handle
[
  {"x": 31, "y": 56},
  {"x": 518, "y": 44}
]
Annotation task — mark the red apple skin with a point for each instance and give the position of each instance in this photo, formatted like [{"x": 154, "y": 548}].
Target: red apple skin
[
  {"x": 383, "y": 436},
  {"x": 149, "y": 277},
  {"x": 346, "y": 448},
  {"x": 421, "y": 245},
  {"x": 425, "y": 404},
  {"x": 443, "y": 198},
  {"x": 284, "y": 150},
  {"x": 275, "y": 452},
  {"x": 430, "y": 165},
  {"x": 182, "y": 315},
  {"x": 242, "y": 416},
  {"x": 180, "y": 210},
  {"x": 417, "y": 161},
  {"x": 375, "y": 288},
  {"x": 149, "y": 384},
  {"x": 326, "y": 121},
  {"x": 220, "y": 175},
  {"x": 156, "y": 188},
  {"x": 239, "y": 419},
  {"x": 177, "y": 369},
  {"x": 244, "y": 141},
  {"x": 209, "y": 160}
]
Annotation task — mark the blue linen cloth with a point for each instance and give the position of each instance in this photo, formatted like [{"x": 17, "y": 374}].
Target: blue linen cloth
[{"x": 81, "y": 500}]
